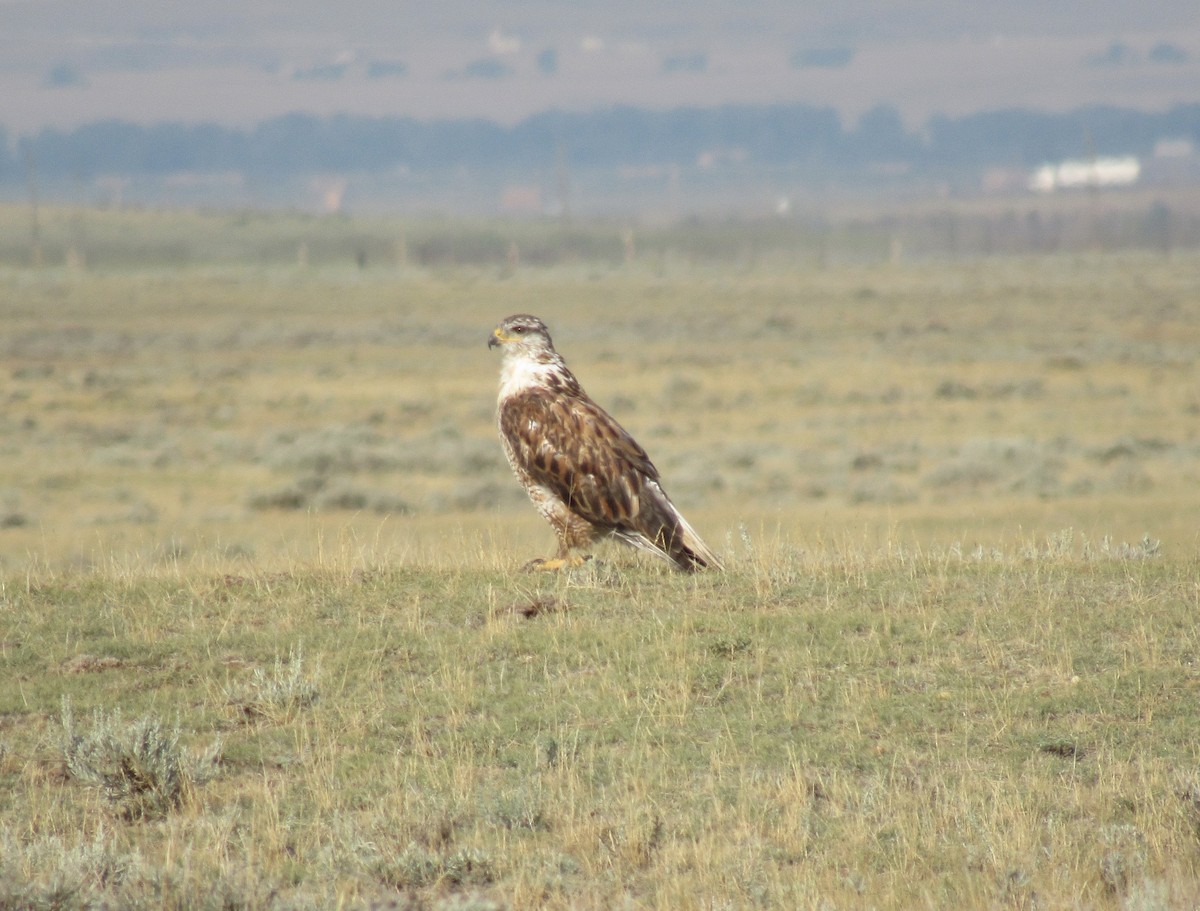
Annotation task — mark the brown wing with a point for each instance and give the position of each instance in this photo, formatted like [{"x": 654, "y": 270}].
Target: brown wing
[{"x": 575, "y": 448}]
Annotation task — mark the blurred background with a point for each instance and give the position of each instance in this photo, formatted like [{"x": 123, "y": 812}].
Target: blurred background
[
  {"x": 819, "y": 114},
  {"x": 249, "y": 253}
]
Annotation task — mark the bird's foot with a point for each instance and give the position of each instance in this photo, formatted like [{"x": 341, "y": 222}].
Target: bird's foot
[{"x": 553, "y": 565}]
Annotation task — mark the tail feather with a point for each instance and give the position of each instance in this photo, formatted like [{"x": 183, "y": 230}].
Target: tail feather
[
  {"x": 662, "y": 530},
  {"x": 689, "y": 551}
]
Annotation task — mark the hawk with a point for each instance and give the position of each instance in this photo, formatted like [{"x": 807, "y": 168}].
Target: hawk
[{"x": 585, "y": 474}]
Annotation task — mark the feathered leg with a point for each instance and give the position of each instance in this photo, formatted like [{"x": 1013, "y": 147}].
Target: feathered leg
[{"x": 570, "y": 537}]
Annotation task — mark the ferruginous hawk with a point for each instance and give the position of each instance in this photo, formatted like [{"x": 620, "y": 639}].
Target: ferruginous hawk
[{"x": 585, "y": 474}]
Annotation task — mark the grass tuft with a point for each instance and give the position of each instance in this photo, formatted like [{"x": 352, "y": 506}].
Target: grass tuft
[
  {"x": 140, "y": 767},
  {"x": 279, "y": 695}
]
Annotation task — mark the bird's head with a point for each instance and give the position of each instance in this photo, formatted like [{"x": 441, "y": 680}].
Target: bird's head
[{"x": 521, "y": 334}]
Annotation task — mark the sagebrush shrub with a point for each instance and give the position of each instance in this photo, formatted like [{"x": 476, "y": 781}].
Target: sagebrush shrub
[{"x": 141, "y": 766}]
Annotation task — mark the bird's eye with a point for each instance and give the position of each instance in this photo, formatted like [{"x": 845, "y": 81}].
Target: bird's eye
[{"x": 520, "y": 330}]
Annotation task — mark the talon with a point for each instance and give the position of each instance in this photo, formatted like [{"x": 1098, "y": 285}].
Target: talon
[{"x": 541, "y": 564}]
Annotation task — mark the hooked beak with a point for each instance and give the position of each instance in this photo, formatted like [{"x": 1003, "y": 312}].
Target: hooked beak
[{"x": 495, "y": 338}]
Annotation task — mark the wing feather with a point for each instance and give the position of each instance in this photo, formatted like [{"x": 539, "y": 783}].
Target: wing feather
[{"x": 573, "y": 447}]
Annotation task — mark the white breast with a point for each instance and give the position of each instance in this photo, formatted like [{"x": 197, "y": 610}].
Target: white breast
[{"x": 520, "y": 373}]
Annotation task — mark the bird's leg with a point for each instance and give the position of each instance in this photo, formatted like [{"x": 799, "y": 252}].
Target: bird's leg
[
  {"x": 563, "y": 560},
  {"x": 540, "y": 564},
  {"x": 554, "y": 564}
]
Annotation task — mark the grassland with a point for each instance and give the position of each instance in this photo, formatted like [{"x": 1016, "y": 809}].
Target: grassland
[{"x": 263, "y": 644}]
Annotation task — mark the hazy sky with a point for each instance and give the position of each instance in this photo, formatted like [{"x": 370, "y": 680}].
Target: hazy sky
[{"x": 63, "y": 62}]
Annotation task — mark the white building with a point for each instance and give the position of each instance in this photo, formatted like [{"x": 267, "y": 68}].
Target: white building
[{"x": 1072, "y": 174}]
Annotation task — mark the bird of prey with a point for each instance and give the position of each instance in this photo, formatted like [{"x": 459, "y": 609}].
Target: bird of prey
[{"x": 585, "y": 474}]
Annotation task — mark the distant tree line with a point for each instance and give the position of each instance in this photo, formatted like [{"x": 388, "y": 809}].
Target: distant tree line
[{"x": 773, "y": 135}]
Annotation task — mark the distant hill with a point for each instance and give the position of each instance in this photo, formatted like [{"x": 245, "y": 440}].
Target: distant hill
[{"x": 813, "y": 140}]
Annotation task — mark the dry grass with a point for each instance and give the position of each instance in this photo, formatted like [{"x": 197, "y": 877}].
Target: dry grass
[
  {"x": 952, "y": 664},
  {"x": 899, "y": 729},
  {"x": 248, "y": 415}
]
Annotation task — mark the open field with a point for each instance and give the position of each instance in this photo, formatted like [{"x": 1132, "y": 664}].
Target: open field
[
  {"x": 242, "y": 413},
  {"x": 262, "y": 510}
]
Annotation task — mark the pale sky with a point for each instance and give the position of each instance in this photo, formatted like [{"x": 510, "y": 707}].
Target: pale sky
[{"x": 65, "y": 62}]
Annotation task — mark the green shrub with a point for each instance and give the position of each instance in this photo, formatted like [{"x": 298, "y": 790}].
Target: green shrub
[{"x": 140, "y": 767}]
